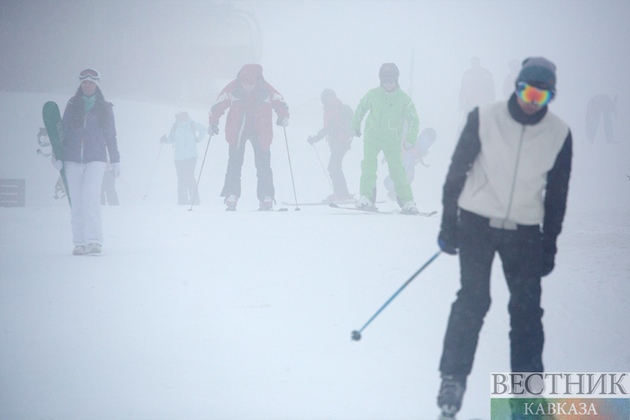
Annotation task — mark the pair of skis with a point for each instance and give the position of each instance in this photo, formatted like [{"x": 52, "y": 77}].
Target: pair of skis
[{"x": 375, "y": 210}]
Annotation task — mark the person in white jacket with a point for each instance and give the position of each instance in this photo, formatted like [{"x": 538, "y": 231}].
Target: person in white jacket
[
  {"x": 184, "y": 135},
  {"x": 506, "y": 193}
]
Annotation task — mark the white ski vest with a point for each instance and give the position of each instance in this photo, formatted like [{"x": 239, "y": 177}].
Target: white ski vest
[{"x": 509, "y": 175}]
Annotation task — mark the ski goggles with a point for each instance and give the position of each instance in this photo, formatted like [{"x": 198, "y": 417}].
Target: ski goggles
[
  {"x": 533, "y": 95},
  {"x": 89, "y": 74}
]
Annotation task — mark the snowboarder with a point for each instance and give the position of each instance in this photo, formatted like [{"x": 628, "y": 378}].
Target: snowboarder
[
  {"x": 477, "y": 88},
  {"x": 250, "y": 99},
  {"x": 337, "y": 119},
  {"x": 390, "y": 108},
  {"x": 600, "y": 105},
  {"x": 184, "y": 136},
  {"x": 506, "y": 192},
  {"x": 90, "y": 135},
  {"x": 411, "y": 157}
]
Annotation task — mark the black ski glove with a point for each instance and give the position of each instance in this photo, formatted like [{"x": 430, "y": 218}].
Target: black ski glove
[
  {"x": 548, "y": 255},
  {"x": 447, "y": 239},
  {"x": 213, "y": 130}
]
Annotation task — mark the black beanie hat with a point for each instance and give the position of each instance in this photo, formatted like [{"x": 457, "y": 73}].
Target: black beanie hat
[
  {"x": 540, "y": 71},
  {"x": 389, "y": 70}
]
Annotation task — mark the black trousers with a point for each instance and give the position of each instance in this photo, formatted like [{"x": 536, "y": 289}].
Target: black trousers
[
  {"x": 521, "y": 253},
  {"x": 262, "y": 160},
  {"x": 338, "y": 150},
  {"x": 186, "y": 183}
]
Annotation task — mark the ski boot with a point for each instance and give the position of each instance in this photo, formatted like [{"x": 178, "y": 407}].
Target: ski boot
[
  {"x": 230, "y": 202},
  {"x": 409, "y": 208},
  {"x": 266, "y": 204},
  {"x": 451, "y": 395},
  {"x": 365, "y": 203}
]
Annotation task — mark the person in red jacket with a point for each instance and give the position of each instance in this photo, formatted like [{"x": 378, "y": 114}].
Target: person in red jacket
[
  {"x": 337, "y": 118},
  {"x": 251, "y": 100}
]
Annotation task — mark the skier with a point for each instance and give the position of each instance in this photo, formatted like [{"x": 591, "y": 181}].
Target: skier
[
  {"x": 509, "y": 174},
  {"x": 477, "y": 88},
  {"x": 600, "y": 105},
  {"x": 337, "y": 117},
  {"x": 411, "y": 157},
  {"x": 184, "y": 136},
  {"x": 250, "y": 99},
  {"x": 389, "y": 108},
  {"x": 90, "y": 135}
]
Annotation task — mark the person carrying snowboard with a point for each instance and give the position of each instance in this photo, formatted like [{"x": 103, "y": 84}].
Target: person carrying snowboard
[
  {"x": 184, "y": 136},
  {"x": 90, "y": 135},
  {"x": 251, "y": 100},
  {"x": 410, "y": 158},
  {"x": 337, "y": 119},
  {"x": 506, "y": 192},
  {"x": 390, "y": 108}
]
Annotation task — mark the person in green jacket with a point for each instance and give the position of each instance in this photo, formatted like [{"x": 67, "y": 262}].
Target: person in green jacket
[{"x": 390, "y": 108}]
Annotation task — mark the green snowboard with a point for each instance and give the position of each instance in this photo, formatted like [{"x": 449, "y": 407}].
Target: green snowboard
[{"x": 52, "y": 122}]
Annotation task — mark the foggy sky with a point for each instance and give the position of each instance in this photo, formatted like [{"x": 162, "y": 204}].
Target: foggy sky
[{"x": 165, "y": 50}]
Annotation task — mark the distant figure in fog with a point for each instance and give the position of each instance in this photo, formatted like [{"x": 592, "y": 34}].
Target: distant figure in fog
[
  {"x": 184, "y": 136},
  {"x": 337, "y": 130},
  {"x": 508, "y": 84},
  {"x": 477, "y": 88},
  {"x": 411, "y": 157},
  {"x": 597, "y": 106}
]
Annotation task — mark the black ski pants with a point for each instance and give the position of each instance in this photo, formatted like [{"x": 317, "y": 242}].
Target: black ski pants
[
  {"x": 186, "y": 183},
  {"x": 262, "y": 160},
  {"x": 521, "y": 254},
  {"x": 338, "y": 150}
]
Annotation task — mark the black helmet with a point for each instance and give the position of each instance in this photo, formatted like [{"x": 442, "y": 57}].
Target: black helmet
[{"x": 389, "y": 71}]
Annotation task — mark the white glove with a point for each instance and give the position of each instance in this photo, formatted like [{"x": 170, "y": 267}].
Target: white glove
[
  {"x": 407, "y": 145},
  {"x": 116, "y": 169},
  {"x": 58, "y": 164},
  {"x": 283, "y": 121}
]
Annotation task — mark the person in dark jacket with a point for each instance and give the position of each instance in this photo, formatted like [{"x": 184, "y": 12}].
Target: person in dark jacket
[
  {"x": 339, "y": 139},
  {"x": 506, "y": 193},
  {"x": 90, "y": 135},
  {"x": 251, "y": 100}
]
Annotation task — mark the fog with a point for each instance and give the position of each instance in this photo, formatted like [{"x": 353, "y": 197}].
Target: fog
[
  {"x": 248, "y": 315},
  {"x": 181, "y": 53}
]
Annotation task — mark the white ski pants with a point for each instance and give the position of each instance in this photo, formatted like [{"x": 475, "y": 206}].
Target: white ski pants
[{"x": 84, "y": 185}]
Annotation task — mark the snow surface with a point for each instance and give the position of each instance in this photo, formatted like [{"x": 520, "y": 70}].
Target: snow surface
[{"x": 206, "y": 314}]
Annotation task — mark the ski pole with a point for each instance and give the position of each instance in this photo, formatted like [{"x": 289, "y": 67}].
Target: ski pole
[
  {"x": 323, "y": 169},
  {"x": 356, "y": 335},
  {"x": 291, "y": 169},
  {"x": 153, "y": 171},
  {"x": 199, "y": 177}
]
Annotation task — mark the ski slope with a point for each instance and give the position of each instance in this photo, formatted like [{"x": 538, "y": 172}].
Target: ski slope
[{"x": 208, "y": 314}]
